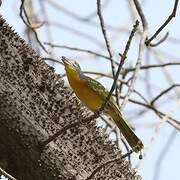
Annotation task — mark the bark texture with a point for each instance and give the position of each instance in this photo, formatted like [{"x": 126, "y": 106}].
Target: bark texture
[{"x": 34, "y": 104}]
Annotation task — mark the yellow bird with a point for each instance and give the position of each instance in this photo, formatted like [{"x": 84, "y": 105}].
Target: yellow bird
[{"x": 93, "y": 94}]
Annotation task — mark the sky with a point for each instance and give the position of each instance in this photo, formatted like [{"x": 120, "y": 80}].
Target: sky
[{"x": 162, "y": 144}]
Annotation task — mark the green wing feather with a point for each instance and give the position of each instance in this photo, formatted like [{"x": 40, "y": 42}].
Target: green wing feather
[{"x": 100, "y": 90}]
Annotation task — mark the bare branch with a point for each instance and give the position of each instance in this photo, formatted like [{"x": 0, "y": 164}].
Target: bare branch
[
  {"x": 105, "y": 36},
  {"x": 106, "y": 163},
  {"x": 78, "y": 49},
  {"x": 22, "y": 9},
  {"x": 164, "y": 92},
  {"x": 144, "y": 67},
  {"x": 140, "y": 54},
  {"x": 172, "y": 15},
  {"x": 3, "y": 172}
]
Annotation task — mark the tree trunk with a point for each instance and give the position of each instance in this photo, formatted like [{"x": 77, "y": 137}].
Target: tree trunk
[{"x": 35, "y": 104}]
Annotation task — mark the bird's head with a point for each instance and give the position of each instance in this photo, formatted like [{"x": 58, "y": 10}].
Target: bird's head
[
  {"x": 72, "y": 66},
  {"x": 70, "y": 63}
]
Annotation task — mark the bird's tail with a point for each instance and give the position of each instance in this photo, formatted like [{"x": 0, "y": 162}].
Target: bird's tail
[{"x": 134, "y": 142}]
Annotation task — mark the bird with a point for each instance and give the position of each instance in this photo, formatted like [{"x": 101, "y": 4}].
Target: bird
[{"x": 93, "y": 94}]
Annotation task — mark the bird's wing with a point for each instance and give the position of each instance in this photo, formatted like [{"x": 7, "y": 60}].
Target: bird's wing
[{"x": 99, "y": 89}]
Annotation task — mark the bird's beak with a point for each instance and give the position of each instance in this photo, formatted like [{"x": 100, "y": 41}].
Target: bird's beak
[{"x": 66, "y": 61}]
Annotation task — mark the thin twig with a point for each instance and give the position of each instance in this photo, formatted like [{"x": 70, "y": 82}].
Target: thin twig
[
  {"x": 164, "y": 92},
  {"x": 160, "y": 41},
  {"x": 140, "y": 54},
  {"x": 103, "y": 29},
  {"x": 52, "y": 59},
  {"x": 144, "y": 67},
  {"x": 141, "y": 15},
  {"x": 93, "y": 14},
  {"x": 125, "y": 145},
  {"x": 3, "y": 172},
  {"x": 108, "y": 162},
  {"x": 172, "y": 121},
  {"x": 22, "y": 9},
  {"x": 47, "y": 25},
  {"x": 110, "y": 123},
  {"x": 123, "y": 57},
  {"x": 172, "y": 15},
  {"x": 64, "y": 129},
  {"x": 77, "y": 49}
]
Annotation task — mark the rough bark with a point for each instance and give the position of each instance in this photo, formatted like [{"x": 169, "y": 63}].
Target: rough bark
[{"x": 34, "y": 104}]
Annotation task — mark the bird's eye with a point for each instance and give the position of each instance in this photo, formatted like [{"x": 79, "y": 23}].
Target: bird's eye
[{"x": 76, "y": 64}]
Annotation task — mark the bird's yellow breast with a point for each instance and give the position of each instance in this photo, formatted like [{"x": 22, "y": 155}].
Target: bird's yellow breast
[
  {"x": 83, "y": 91},
  {"x": 88, "y": 97}
]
